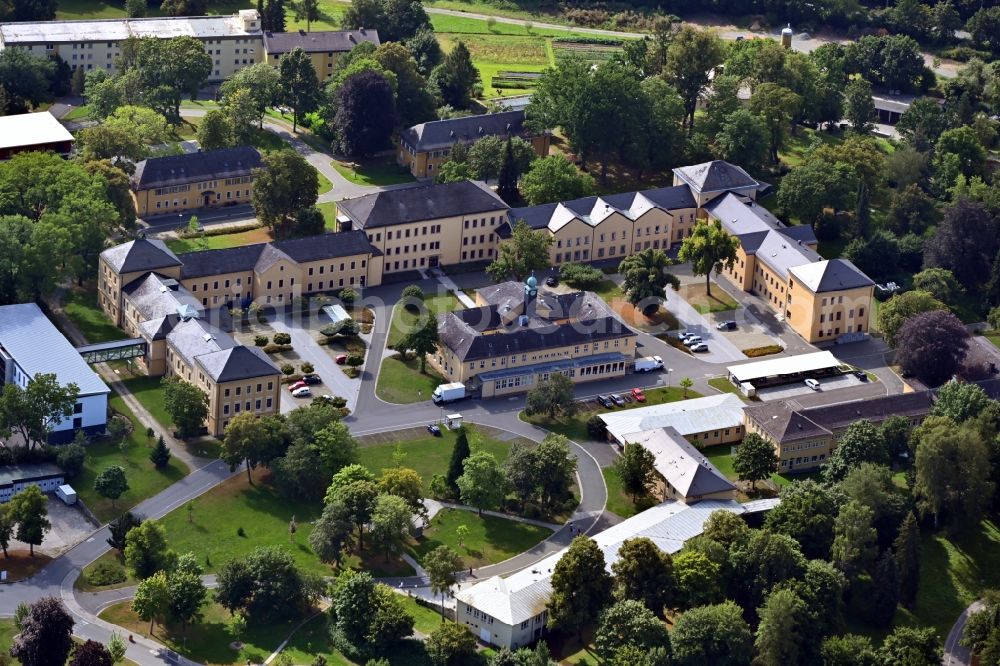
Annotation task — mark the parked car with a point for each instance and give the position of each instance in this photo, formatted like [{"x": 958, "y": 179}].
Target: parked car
[
  {"x": 551, "y": 281},
  {"x": 638, "y": 395},
  {"x": 726, "y": 325},
  {"x": 686, "y": 335},
  {"x": 302, "y": 392},
  {"x": 861, "y": 374},
  {"x": 692, "y": 341},
  {"x": 327, "y": 399},
  {"x": 812, "y": 383},
  {"x": 434, "y": 429},
  {"x": 341, "y": 359},
  {"x": 606, "y": 401},
  {"x": 620, "y": 401},
  {"x": 297, "y": 385},
  {"x": 312, "y": 379},
  {"x": 699, "y": 347}
]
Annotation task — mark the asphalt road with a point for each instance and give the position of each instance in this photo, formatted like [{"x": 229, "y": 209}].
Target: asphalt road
[{"x": 956, "y": 654}]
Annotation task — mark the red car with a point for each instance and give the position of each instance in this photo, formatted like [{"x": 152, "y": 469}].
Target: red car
[
  {"x": 297, "y": 385},
  {"x": 638, "y": 395},
  {"x": 341, "y": 359}
]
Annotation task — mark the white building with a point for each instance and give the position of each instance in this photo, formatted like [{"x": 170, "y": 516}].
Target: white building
[
  {"x": 683, "y": 473},
  {"x": 714, "y": 419},
  {"x": 30, "y": 345},
  {"x": 234, "y": 42},
  {"x": 15, "y": 478},
  {"x": 511, "y": 612}
]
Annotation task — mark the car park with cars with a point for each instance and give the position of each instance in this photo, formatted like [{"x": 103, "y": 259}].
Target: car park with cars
[
  {"x": 638, "y": 395},
  {"x": 301, "y": 392}
]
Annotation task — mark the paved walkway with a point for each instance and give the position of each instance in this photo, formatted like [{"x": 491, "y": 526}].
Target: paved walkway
[
  {"x": 450, "y": 285},
  {"x": 956, "y": 654},
  {"x": 434, "y": 506}
]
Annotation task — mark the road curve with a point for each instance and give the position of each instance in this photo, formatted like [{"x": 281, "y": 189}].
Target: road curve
[{"x": 956, "y": 654}]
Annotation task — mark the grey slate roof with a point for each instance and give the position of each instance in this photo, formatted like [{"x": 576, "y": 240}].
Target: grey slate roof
[
  {"x": 237, "y": 363},
  {"x": 332, "y": 41},
  {"x": 415, "y": 204},
  {"x": 156, "y": 296},
  {"x": 715, "y": 176},
  {"x": 439, "y": 134},
  {"x": 39, "y": 348},
  {"x": 195, "y": 167},
  {"x": 140, "y": 255},
  {"x": 832, "y": 275},
  {"x": 192, "y": 338},
  {"x": 246, "y": 258}
]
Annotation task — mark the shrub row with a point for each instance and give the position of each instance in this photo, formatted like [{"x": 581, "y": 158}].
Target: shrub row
[{"x": 754, "y": 352}]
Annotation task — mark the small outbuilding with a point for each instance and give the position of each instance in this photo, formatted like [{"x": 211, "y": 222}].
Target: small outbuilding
[
  {"x": 26, "y": 132},
  {"x": 785, "y": 369}
]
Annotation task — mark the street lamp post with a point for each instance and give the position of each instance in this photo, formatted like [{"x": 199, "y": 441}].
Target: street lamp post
[{"x": 669, "y": 370}]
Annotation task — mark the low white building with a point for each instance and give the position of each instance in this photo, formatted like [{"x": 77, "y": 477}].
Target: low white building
[
  {"x": 684, "y": 473},
  {"x": 15, "y": 478},
  {"x": 31, "y": 345},
  {"x": 511, "y": 612},
  {"x": 714, "y": 419}
]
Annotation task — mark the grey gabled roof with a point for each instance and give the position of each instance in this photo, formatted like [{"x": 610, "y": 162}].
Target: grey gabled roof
[
  {"x": 439, "y": 134},
  {"x": 39, "y": 348},
  {"x": 831, "y": 275},
  {"x": 681, "y": 465},
  {"x": 140, "y": 255},
  {"x": 236, "y": 364},
  {"x": 156, "y": 296},
  {"x": 715, "y": 176},
  {"x": 195, "y": 167},
  {"x": 416, "y": 204},
  {"x": 327, "y": 41},
  {"x": 258, "y": 256}
]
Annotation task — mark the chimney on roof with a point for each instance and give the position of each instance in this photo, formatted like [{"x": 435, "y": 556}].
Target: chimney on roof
[{"x": 350, "y": 37}]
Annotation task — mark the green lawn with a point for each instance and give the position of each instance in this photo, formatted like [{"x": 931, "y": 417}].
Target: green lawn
[
  {"x": 218, "y": 241},
  {"x": 700, "y": 300},
  {"x": 726, "y": 386},
  {"x": 720, "y": 455},
  {"x": 313, "y": 640},
  {"x": 953, "y": 574},
  {"x": 149, "y": 392},
  {"x": 404, "y": 319},
  {"x": 426, "y": 454},
  {"x": 618, "y": 502},
  {"x": 401, "y": 382},
  {"x": 81, "y": 112},
  {"x": 426, "y": 619},
  {"x": 82, "y": 309},
  {"x": 575, "y": 427},
  {"x": 381, "y": 171},
  {"x": 207, "y": 641},
  {"x": 144, "y": 480},
  {"x": 490, "y": 539}
]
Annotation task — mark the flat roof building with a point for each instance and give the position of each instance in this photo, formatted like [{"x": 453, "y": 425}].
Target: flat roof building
[
  {"x": 714, "y": 419},
  {"x": 784, "y": 369},
  {"x": 31, "y": 345},
  {"x": 27, "y": 132},
  {"x": 15, "y": 478}
]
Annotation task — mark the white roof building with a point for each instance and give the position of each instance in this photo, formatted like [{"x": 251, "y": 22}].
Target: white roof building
[
  {"x": 783, "y": 365},
  {"x": 115, "y": 30},
  {"x": 32, "y": 129},
  {"x": 688, "y": 474},
  {"x": 687, "y": 417},
  {"x": 498, "y": 607}
]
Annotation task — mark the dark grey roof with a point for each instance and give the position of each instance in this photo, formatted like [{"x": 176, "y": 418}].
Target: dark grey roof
[
  {"x": 832, "y": 275},
  {"x": 800, "y": 232},
  {"x": 478, "y": 333},
  {"x": 237, "y": 363},
  {"x": 195, "y": 167},
  {"x": 439, "y": 134},
  {"x": 246, "y": 258},
  {"x": 318, "y": 42},
  {"x": 140, "y": 255},
  {"x": 416, "y": 204},
  {"x": 715, "y": 176},
  {"x": 156, "y": 296}
]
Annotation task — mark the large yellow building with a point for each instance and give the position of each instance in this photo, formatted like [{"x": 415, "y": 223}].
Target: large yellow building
[
  {"x": 323, "y": 48},
  {"x": 234, "y": 42},
  {"x": 424, "y": 147},
  {"x": 424, "y": 227},
  {"x": 209, "y": 179},
  {"x": 521, "y": 335},
  {"x": 822, "y": 300}
]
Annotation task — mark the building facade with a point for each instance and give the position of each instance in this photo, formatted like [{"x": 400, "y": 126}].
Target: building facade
[
  {"x": 31, "y": 345},
  {"x": 707, "y": 421},
  {"x": 324, "y": 48},
  {"x": 234, "y": 42},
  {"x": 210, "y": 179},
  {"x": 429, "y": 226},
  {"x": 15, "y": 478},
  {"x": 521, "y": 335},
  {"x": 26, "y": 132},
  {"x": 424, "y": 147}
]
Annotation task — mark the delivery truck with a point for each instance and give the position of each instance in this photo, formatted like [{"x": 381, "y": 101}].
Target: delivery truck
[
  {"x": 648, "y": 364},
  {"x": 446, "y": 393}
]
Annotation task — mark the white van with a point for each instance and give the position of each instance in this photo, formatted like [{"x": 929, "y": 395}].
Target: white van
[
  {"x": 813, "y": 384},
  {"x": 66, "y": 494}
]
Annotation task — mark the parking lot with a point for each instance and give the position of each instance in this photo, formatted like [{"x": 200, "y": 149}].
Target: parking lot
[
  {"x": 799, "y": 388},
  {"x": 69, "y": 527}
]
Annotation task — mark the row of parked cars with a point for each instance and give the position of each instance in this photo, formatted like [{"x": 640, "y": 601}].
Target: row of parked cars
[
  {"x": 613, "y": 400},
  {"x": 693, "y": 342},
  {"x": 300, "y": 389}
]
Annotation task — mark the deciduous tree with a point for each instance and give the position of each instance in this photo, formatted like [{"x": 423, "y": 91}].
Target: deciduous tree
[
  {"x": 782, "y": 636},
  {"x": 635, "y": 469},
  {"x": 422, "y": 339},
  {"x": 266, "y": 585},
  {"x": 365, "y": 114},
  {"x": 45, "y": 636},
  {"x": 629, "y": 624},
  {"x": 692, "y": 54},
  {"x": 285, "y": 184},
  {"x": 299, "y": 85},
  {"x": 30, "y": 508},
  {"x": 775, "y": 105},
  {"x": 552, "y": 397},
  {"x": 645, "y": 278},
  {"x": 859, "y": 109},
  {"x": 111, "y": 483},
  {"x": 715, "y": 635},
  {"x": 32, "y": 411},
  {"x": 482, "y": 483},
  {"x": 253, "y": 440},
  {"x": 911, "y": 646},
  {"x": 581, "y": 586},
  {"x": 932, "y": 346},
  {"x": 391, "y": 521},
  {"x": 755, "y": 459},
  {"x": 451, "y": 644},
  {"x": 526, "y": 251},
  {"x": 952, "y": 472},
  {"x": 644, "y": 573},
  {"x": 709, "y": 248},
  {"x": 91, "y": 653},
  {"x": 186, "y": 404},
  {"x": 332, "y": 532},
  {"x": 146, "y": 550},
  {"x": 152, "y": 598},
  {"x": 898, "y": 309},
  {"x": 441, "y": 565}
]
